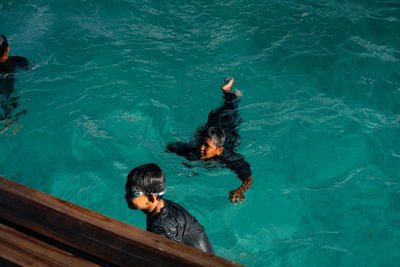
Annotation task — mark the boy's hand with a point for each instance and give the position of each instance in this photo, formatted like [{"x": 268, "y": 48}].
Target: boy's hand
[{"x": 236, "y": 195}]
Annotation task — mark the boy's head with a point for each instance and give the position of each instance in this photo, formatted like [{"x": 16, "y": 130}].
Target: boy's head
[
  {"x": 4, "y": 48},
  {"x": 144, "y": 183},
  {"x": 213, "y": 139}
]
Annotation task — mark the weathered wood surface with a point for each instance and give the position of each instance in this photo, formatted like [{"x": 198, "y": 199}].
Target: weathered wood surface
[
  {"x": 25, "y": 250},
  {"x": 108, "y": 239}
]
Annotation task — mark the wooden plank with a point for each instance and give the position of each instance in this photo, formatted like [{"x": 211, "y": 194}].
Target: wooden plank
[
  {"x": 95, "y": 234},
  {"x": 25, "y": 250}
]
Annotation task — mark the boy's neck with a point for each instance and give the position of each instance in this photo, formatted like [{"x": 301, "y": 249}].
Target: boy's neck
[{"x": 154, "y": 208}]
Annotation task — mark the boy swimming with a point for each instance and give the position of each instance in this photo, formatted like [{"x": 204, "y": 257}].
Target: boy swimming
[
  {"x": 8, "y": 67},
  {"x": 144, "y": 189},
  {"x": 216, "y": 142}
]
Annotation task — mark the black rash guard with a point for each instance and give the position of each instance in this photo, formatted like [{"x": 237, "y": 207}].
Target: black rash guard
[
  {"x": 227, "y": 118},
  {"x": 175, "y": 223},
  {"x": 7, "y": 78},
  {"x": 12, "y": 63}
]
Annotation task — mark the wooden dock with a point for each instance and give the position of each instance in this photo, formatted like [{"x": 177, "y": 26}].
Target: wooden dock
[{"x": 38, "y": 229}]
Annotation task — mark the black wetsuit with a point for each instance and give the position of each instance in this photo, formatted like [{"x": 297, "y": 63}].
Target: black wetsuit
[
  {"x": 175, "y": 223},
  {"x": 227, "y": 118},
  {"x": 9, "y": 103}
]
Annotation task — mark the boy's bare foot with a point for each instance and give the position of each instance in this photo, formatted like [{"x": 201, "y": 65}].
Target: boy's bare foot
[{"x": 227, "y": 85}]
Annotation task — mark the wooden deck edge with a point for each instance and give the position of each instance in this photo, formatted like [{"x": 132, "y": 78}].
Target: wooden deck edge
[
  {"x": 93, "y": 233},
  {"x": 26, "y": 250}
]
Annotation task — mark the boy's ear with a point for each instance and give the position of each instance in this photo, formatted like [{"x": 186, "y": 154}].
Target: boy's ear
[{"x": 220, "y": 150}]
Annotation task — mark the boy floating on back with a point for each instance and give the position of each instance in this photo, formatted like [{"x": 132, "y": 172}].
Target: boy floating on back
[
  {"x": 216, "y": 142},
  {"x": 144, "y": 191}
]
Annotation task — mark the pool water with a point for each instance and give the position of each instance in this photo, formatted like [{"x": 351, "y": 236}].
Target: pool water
[{"x": 113, "y": 82}]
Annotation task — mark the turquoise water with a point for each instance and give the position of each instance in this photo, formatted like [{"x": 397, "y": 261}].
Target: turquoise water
[{"x": 113, "y": 82}]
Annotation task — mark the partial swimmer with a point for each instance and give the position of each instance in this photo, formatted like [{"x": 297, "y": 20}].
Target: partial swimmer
[
  {"x": 8, "y": 67},
  {"x": 216, "y": 141},
  {"x": 144, "y": 189}
]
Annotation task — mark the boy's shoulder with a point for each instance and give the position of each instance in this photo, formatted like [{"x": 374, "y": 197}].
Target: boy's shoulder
[
  {"x": 172, "y": 209},
  {"x": 237, "y": 163},
  {"x": 14, "y": 62},
  {"x": 172, "y": 213},
  {"x": 165, "y": 222},
  {"x": 187, "y": 150}
]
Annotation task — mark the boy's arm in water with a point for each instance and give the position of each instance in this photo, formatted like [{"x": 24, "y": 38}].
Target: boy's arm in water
[
  {"x": 241, "y": 167},
  {"x": 22, "y": 63},
  {"x": 238, "y": 194},
  {"x": 180, "y": 148}
]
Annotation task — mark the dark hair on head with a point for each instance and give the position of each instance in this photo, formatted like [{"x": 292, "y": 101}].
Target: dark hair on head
[
  {"x": 216, "y": 134},
  {"x": 3, "y": 44},
  {"x": 148, "y": 178}
]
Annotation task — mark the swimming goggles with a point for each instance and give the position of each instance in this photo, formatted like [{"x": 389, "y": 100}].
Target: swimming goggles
[{"x": 136, "y": 193}]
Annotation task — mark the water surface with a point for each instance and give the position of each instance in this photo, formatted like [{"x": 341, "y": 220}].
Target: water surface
[{"x": 113, "y": 82}]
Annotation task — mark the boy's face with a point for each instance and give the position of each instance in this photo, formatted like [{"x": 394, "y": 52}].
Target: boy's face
[
  {"x": 136, "y": 200},
  {"x": 4, "y": 57},
  {"x": 208, "y": 149}
]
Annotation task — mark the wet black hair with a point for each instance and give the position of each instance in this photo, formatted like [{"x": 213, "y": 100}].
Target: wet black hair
[
  {"x": 216, "y": 134},
  {"x": 148, "y": 178},
  {"x": 3, "y": 44}
]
